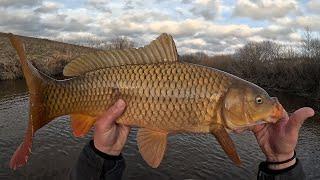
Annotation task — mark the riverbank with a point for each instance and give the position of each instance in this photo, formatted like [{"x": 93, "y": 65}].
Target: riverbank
[{"x": 48, "y": 56}]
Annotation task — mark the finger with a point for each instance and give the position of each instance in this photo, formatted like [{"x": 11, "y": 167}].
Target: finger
[
  {"x": 124, "y": 131},
  {"x": 107, "y": 120},
  {"x": 257, "y": 128},
  {"x": 298, "y": 117},
  {"x": 285, "y": 115}
]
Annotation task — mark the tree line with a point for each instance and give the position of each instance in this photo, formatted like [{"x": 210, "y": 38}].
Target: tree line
[{"x": 294, "y": 69}]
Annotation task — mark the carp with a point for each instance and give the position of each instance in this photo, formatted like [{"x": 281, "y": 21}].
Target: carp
[{"x": 164, "y": 96}]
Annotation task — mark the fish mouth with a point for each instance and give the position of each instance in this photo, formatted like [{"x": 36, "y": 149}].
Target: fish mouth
[{"x": 277, "y": 113}]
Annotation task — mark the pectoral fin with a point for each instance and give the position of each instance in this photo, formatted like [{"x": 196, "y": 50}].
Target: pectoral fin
[
  {"x": 226, "y": 143},
  {"x": 152, "y": 146},
  {"x": 81, "y": 124}
]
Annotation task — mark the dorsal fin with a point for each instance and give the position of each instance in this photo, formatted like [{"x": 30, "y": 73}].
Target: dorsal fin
[{"x": 162, "y": 49}]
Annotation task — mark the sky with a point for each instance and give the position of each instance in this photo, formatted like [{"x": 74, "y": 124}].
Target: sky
[{"x": 210, "y": 26}]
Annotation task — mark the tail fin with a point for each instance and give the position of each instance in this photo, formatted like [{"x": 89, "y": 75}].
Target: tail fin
[{"x": 36, "y": 82}]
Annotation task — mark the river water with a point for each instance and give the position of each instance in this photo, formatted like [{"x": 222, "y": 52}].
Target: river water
[{"x": 188, "y": 156}]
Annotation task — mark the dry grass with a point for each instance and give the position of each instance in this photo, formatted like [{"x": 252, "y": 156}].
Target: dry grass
[{"x": 48, "y": 56}]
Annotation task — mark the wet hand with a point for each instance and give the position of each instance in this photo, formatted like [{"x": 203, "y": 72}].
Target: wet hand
[
  {"x": 110, "y": 137},
  {"x": 278, "y": 141}
]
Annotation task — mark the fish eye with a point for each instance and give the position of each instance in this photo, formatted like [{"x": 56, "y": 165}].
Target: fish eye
[{"x": 258, "y": 100}]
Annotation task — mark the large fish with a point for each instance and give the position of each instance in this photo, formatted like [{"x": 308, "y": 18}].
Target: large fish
[{"x": 163, "y": 96}]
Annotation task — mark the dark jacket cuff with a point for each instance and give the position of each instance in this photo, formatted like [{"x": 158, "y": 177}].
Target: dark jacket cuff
[
  {"x": 293, "y": 172},
  {"x": 94, "y": 164},
  {"x": 102, "y": 154}
]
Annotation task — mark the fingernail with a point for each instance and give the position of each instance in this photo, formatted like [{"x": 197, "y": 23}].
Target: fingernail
[
  {"x": 120, "y": 103},
  {"x": 312, "y": 113}
]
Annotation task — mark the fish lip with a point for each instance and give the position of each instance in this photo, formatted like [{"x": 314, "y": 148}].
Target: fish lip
[
  {"x": 278, "y": 112},
  {"x": 272, "y": 119}
]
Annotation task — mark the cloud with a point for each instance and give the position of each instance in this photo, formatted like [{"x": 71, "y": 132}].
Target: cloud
[
  {"x": 198, "y": 25},
  {"x": 314, "y": 6},
  {"x": 275, "y": 32},
  {"x": 312, "y": 22},
  {"x": 190, "y": 34},
  {"x": 128, "y": 4},
  {"x": 76, "y": 37},
  {"x": 143, "y": 16},
  {"x": 101, "y": 5},
  {"x": 301, "y": 22},
  {"x": 26, "y": 21},
  {"x": 19, "y": 3},
  {"x": 19, "y": 21},
  {"x": 208, "y": 9},
  {"x": 196, "y": 42},
  {"x": 66, "y": 21},
  {"x": 264, "y": 9},
  {"x": 188, "y": 27},
  {"x": 48, "y": 7}
]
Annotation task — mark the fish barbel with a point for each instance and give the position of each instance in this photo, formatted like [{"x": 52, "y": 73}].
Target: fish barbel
[{"x": 163, "y": 96}]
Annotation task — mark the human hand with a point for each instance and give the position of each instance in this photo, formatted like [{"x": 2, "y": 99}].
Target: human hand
[
  {"x": 278, "y": 141},
  {"x": 110, "y": 137}
]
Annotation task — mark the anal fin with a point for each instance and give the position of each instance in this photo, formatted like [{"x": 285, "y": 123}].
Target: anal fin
[
  {"x": 152, "y": 146},
  {"x": 226, "y": 143},
  {"x": 81, "y": 124}
]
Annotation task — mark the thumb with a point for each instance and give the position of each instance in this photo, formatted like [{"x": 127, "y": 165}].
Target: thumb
[
  {"x": 298, "y": 117},
  {"x": 107, "y": 120}
]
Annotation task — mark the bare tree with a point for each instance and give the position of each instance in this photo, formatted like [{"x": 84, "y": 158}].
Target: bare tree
[
  {"x": 121, "y": 43},
  {"x": 307, "y": 42},
  {"x": 259, "y": 52},
  {"x": 311, "y": 45},
  {"x": 289, "y": 52},
  {"x": 104, "y": 44}
]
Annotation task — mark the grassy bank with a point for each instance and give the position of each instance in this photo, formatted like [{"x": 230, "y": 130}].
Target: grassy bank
[{"x": 48, "y": 56}]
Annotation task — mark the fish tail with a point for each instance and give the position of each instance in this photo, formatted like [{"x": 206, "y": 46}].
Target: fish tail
[{"x": 36, "y": 82}]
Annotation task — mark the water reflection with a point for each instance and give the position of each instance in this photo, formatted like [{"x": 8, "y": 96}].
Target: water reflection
[{"x": 55, "y": 150}]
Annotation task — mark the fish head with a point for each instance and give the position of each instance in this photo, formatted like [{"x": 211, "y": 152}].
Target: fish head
[{"x": 246, "y": 105}]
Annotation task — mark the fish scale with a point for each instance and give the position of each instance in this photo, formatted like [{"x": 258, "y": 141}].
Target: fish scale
[{"x": 168, "y": 95}]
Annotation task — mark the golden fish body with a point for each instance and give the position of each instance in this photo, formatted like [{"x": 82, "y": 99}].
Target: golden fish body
[
  {"x": 163, "y": 96},
  {"x": 168, "y": 96}
]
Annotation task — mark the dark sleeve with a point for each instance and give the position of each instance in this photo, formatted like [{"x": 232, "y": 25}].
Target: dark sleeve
[
  {"x": 294, "y": 172},
  {"x": 94, "y": 164}
]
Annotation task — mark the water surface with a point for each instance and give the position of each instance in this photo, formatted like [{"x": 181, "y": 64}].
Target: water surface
[{"x": 55, "y": 150}]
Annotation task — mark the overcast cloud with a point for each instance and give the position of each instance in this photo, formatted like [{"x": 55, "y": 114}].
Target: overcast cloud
[{"x": 212, "y": 26}]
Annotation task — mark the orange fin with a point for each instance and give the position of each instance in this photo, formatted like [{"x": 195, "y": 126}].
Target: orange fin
[
  {"x": 226, "y": 143},
  {"x": 152, "y": 146},
  {"x": 81, "y": 124}
]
